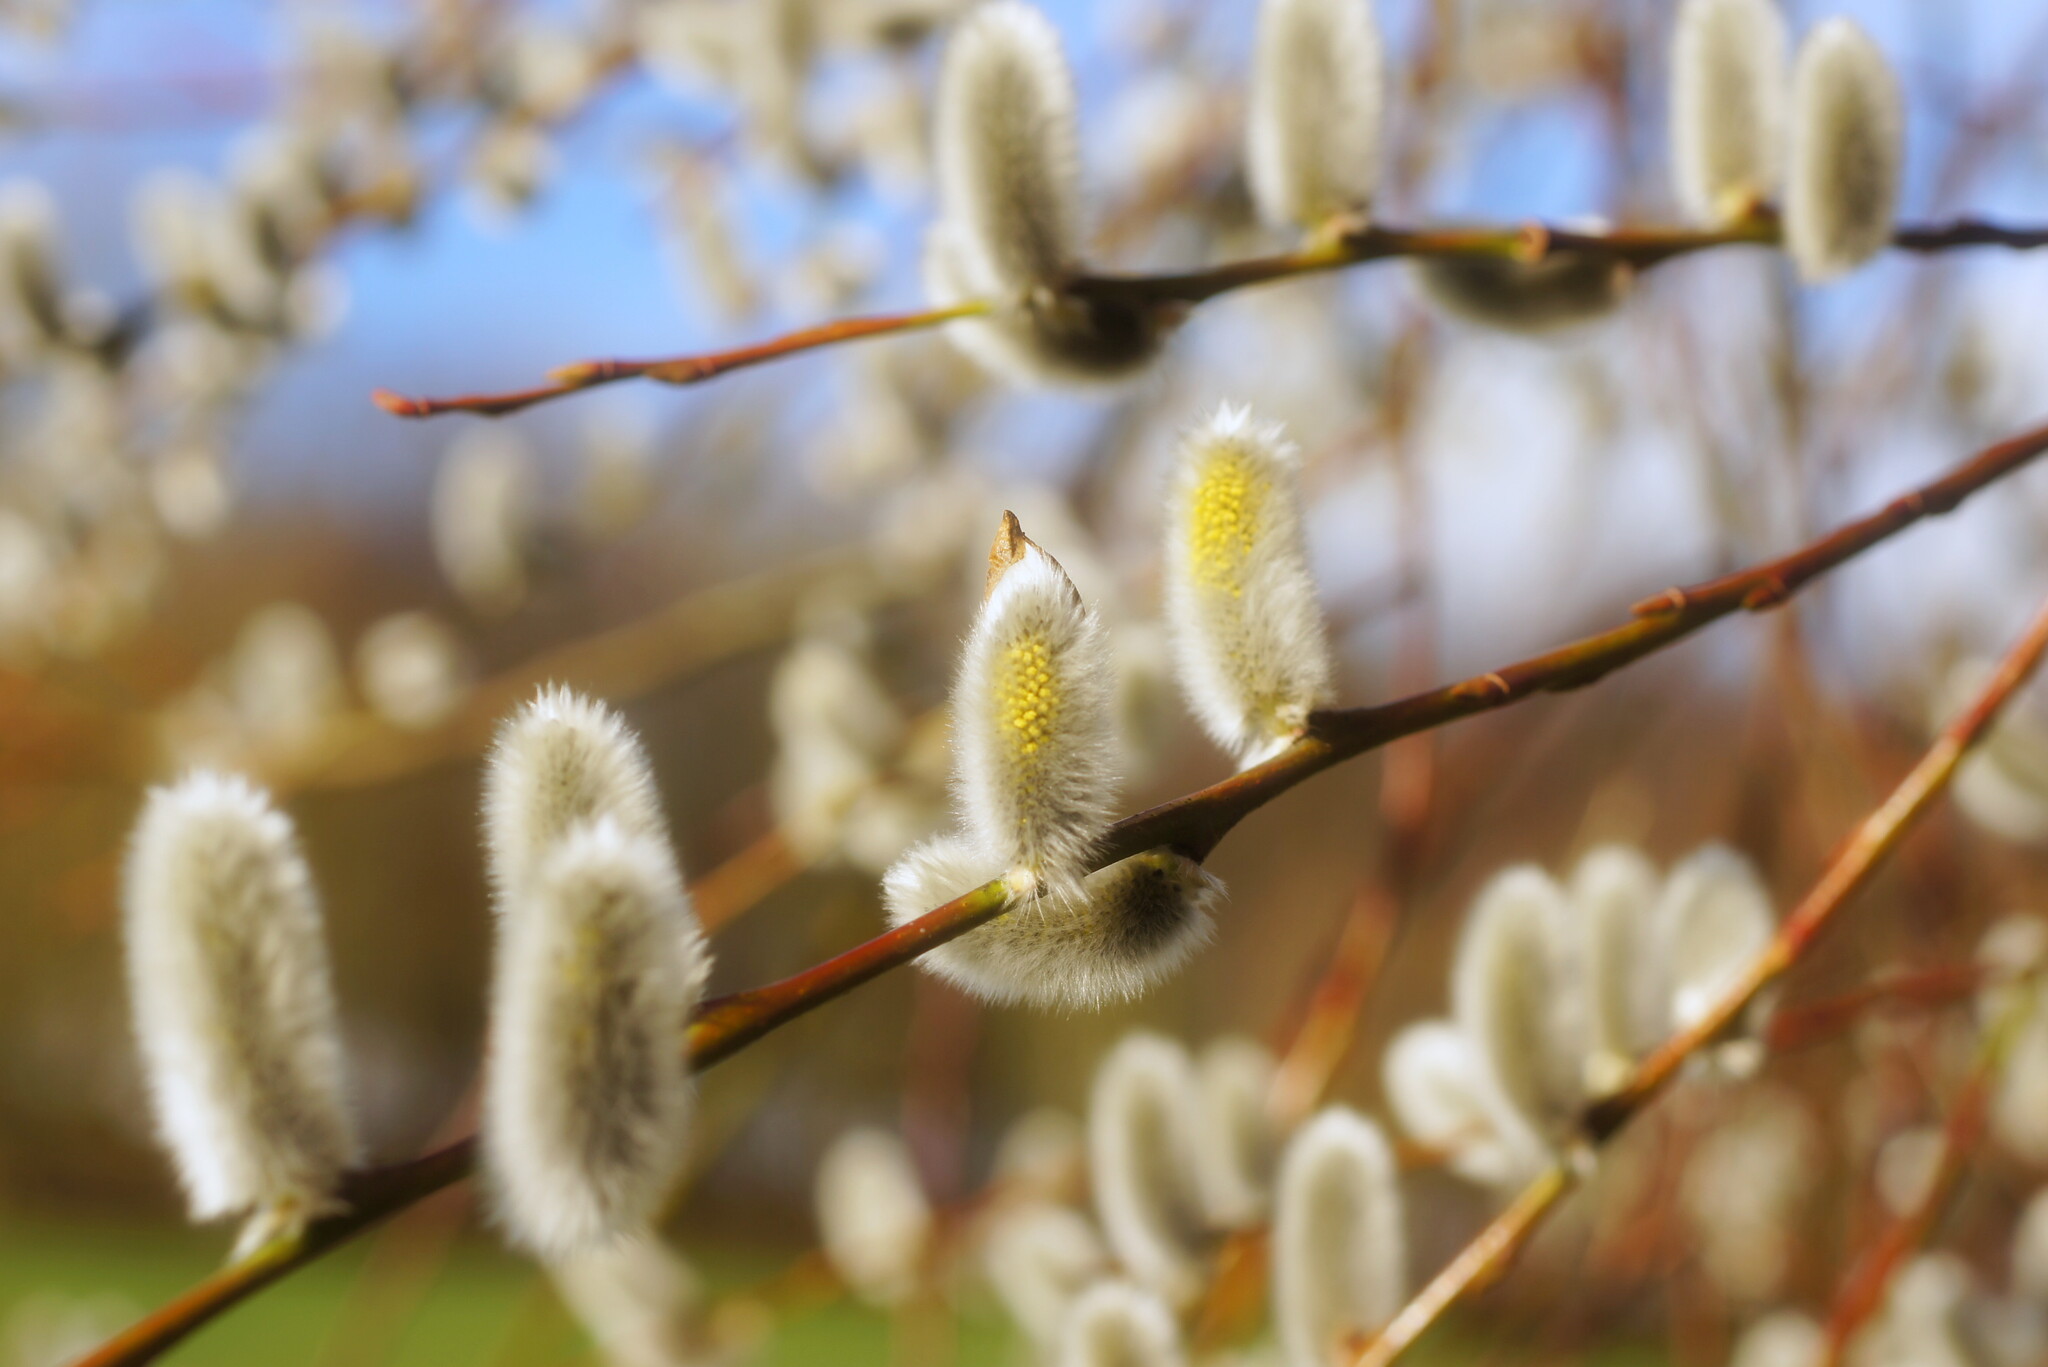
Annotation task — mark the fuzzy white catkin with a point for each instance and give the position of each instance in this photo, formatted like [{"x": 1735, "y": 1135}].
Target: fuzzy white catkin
[
  {"x": 558, "y": 761},
  {"x": 634, "y": 1298},
  {"x": 1034, "y": 719},
  {"x": 411, "y": 670},
  {"x": 1116, "y": 1324},
  {"x": 233, "y": 1007},
  {"x": 2002, "y": 784},
  {"x": 1713, "y": 917},
  {"x": 1339, "y": 1245},
  {"x": 1783, "y": 1338},
  {"x": 1613, "y": 891},
  {"x": 1042, "y": 1153},
  {"x": 1240, "y": 602},
  {"x": 873, "y": 1219},
  {"x": 1563, "y": 290},
  {"x": 1445, "y": 1098},
  {"x": 2030, "y": 1250},
  {"x": 284, "y": 677},
  {"x": 1141, "y": 1119},
  {"x": 2019, "y": 1098},
  {"x": 1312, "y": 132},
  {"x": 1038, "y": 1258},
  {"x": 1847, "y": 142},
  {"x": 1728, "y": 82},
  {"x": 1237, "y": 1143},
  {"x": 1009, "y": 193},
  {"x": 1516, "y": 993},
  {"x": 587, "y": 1096},
  {"x": 483, "y": 518},
  {"x": 1129, "y": 925}
]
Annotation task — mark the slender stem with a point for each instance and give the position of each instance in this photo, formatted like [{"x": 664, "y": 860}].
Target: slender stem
[
  {"x": 1877, "y": 835},
  {"x": 678, "y": 370},
  {"x": 1345, "y": 246},
  {"x": 1479, "y": 1262},
  {"x": 1797, "y": 1027},
  {"x": 1194, "y": 824}
]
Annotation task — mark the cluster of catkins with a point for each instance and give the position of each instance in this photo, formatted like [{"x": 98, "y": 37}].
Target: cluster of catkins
[
  {"x": 1010, "y": 230},
  {"x": 1180, "y": 1153},
  {"x": 1035, "y": 732},
  {"x": 599, "y": 966},
  {"x": 1556, "y": 991}
]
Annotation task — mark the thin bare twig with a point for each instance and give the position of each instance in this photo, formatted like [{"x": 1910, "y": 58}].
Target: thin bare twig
[
  {"x": 1867, "y": 846},
  {"x": 1340, "y": 249},
  {"x": 1192, "y": 824}
]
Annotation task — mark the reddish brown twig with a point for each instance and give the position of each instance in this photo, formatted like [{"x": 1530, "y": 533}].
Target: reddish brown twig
[
  {"x": 1873, "y": 839},
  {"x": 1863, "y": 1290},
  {"x": 1799, "y": 1027},
  {"x": 677, "y": 370},
  {"x": 1193, "y": 824},
  {"x": 1355, "y": 246}
]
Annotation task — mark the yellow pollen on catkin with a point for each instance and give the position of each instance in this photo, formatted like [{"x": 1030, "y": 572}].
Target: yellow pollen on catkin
[
  {"x": 1223, "y": 520},
  {"x": 1027, "y": 702}
]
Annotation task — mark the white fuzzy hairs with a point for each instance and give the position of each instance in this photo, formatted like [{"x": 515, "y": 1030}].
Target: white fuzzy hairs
[
  {"x": 233, "y": 1005},
  {"x": 1009, "y": 226},
  {"x": 1141, "y": 1159},
  {"x": 1312, "y": 129},
  {"x": 1240, "y": 603},
  {"x": 874, "y": 1221},
  {"x": 1339, "y": 1246},
  {"x": 1728, "y": 78},
  {"x": 587, "y": 1096},
  {"x": 1034, "y": 746},
  {"x": 1848, "y": 136}
]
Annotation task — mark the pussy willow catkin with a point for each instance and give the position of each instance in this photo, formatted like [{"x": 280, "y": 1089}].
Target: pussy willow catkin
[
  {"x": 1848, "y": 136},
  {"x": 1240, "y": 603},
  {"x": 1312, "y": 131},
  {"x": 1339, "y": 1245},
  {"x": 233, "y": 1007},
  {"x": 1728, "y": 84}
]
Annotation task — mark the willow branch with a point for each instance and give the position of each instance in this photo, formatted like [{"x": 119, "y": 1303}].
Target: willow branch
[
  {"x": 1873, "y": 839},
  {"x": 1340, "y": 249},
  {"x": 1193, "y": 824},
  {"x": 677, "y": 370}
]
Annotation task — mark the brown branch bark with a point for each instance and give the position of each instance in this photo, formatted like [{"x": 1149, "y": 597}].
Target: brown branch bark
[
  {"x": 1193, "y": 824},
  {"x": 1338, "y": 250}
]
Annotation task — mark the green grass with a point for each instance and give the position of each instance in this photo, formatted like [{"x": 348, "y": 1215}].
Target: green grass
[{"x": 484, "y": 1307}]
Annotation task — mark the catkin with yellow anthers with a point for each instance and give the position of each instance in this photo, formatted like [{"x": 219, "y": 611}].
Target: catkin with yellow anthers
[
  {"x": 1039, "y": 1257},
  {"x": 1141, "y": 1119},
  {"x": 1237, "y": 1143},
  {"x": 1562, "y": 290},
  {"x": 1034, "y": 720},
  {"x": 1713, "y": 917},
  {"x": 1728, "y": 81},
  {"x": 1240, "y": 603},
  {"x": 874, "y": 1221},
  {"x": 1516, "y": 992},
  {"x": 1339, "y": 1245},
  {"x": 1116, "y": 1324},
  {"x": 560, "y": 761},
  {"x": 587, "y": 1094},
  {"x": 233, "y": 1005},
  {"x": 1129, "y": 925},
  {"x": 1312, "y": 135},
  {"x": 1847, "y": 143},
  {"x": 1613, "y": 893},
  {"x": 1009, "y": 225}
]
